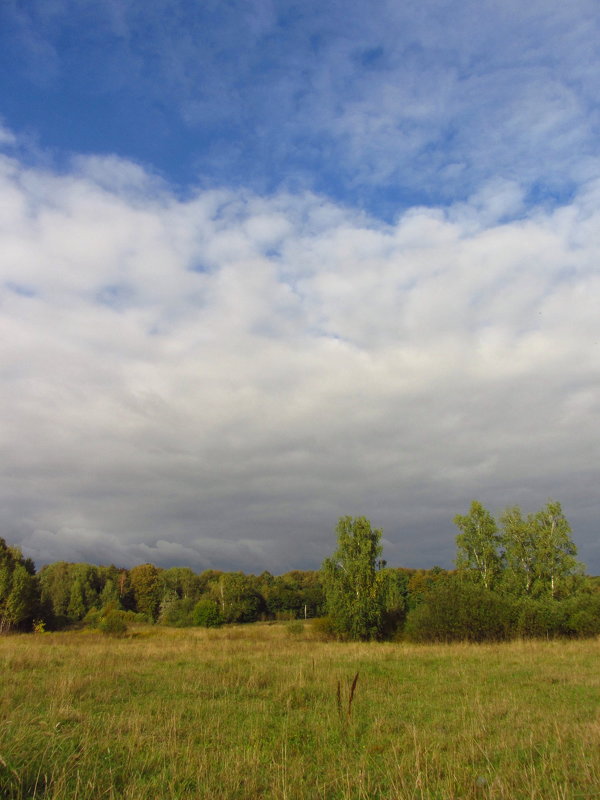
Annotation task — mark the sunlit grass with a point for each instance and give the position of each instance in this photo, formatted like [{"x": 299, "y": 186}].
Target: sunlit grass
[{"x": 250, "y": 712}]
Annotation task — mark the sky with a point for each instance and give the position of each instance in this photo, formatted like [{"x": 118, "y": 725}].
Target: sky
[{"x": 264, "y": 264}]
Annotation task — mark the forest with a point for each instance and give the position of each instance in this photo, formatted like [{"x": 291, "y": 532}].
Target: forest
[{"x": 515, "y": 577}]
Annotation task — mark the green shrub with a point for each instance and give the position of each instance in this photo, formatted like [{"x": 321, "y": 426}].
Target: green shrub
[
  {"x": 206, "y": 613},
  {"x": 456, "y": 610},
  {"x": 179, "y": 613},
  {"x": 544, "y": 618},
  {"x": 584, "y": 624},
  {"x": 583, "y": 615},
  {"x": 113, "y": 623},
  {"x": 92, "y": 618}
]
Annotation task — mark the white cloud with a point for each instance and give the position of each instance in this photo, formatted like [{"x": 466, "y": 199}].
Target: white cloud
[{"x": 214, "y": 380}]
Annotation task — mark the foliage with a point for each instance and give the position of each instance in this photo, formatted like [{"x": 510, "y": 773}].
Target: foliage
[
  {"x": 395, "y": 601},
  {"x": 19, "y": 598},
  {"x": 576, "y": 616},
  {"x": 113, "y": 622},
  {"x": 206, "y": 613},
  {"x": 178, "y": 613},
  {"x": 458, "y": 610},
  {"x": 181, "y": 582},
  {"x": 237, "y": 597},
  {"x": 146, "y": 587},
  {"x": 539, "y": 553},
  {"x": 420, "y": 582},
  {"x": 70, "y": 590},
  {"x": 525, "y": 566},
  {"x": 478, "y": 555},
  {"x": 292, "y": 595},
  {"x": 354, "y": 580}
]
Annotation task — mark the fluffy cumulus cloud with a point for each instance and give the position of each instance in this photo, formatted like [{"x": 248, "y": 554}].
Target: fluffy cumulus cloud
[{"x": 213, "y": 379}]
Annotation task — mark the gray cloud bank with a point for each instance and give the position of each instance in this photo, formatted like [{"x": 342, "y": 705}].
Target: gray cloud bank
[{"x": 213, "y": 381}]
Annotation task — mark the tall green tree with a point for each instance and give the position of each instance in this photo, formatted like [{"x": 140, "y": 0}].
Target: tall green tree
[
  {"x": 237, "y": 597},
  {"x": 557, "y": 562},
  {"x": 354, "y": 580},
  {"x": 540, "y": 552},
  {"x": 147, "y": 589},
  {"x": 520, "y": 554},
  {"x": 478, "y": 546},
  {"x": 19, "y": 590},
  {"x": 55, "y": 587}
]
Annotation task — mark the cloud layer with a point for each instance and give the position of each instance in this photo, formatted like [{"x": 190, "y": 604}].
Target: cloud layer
[{"x": 213, "y": 380}]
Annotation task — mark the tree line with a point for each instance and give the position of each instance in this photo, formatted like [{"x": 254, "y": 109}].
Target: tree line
[
  {"x": 64, "y": 593},
  {"x": 517, "y": 576}
]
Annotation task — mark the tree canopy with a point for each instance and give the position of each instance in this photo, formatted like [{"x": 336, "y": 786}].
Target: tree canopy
[{"x": 354, "y": 581}]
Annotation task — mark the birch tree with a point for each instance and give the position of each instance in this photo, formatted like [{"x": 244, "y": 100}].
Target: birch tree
[
  {"x": 478, "y": 546},
  {"x": 354, "y": 580},
  {"x": 540, "y": 552}
]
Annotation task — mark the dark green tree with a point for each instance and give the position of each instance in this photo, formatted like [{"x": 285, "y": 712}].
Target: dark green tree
[
  {"x": 354, "y": 581},
  {"x": 55, "y": 585},
  {"x": 237, "y": 597},
  {"x": 147, "y": 589},
  {"x": 181, "y": 580}
]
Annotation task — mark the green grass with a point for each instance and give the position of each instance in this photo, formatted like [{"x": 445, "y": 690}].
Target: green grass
[{"x": 252, "y": 712}]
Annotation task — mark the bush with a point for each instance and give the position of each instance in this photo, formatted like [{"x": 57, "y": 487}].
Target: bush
[
  {"x": 540, "y": 618},
  {"x": 179, "y": 613},
  {"x": 455, "y": 610},
  {"x": 113, "y": 623},
  {"x": 583, "y": 615},
  {"x": 92, "y": 618},
  {"x": 577, "y": 616},
  {"x": 393, "y": 623},
  {"x": 206, "y": 613},
  {"x": 584, "y": 624}
]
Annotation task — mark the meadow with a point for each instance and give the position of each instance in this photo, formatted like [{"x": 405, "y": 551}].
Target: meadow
[{"x": 264, "y": 711}]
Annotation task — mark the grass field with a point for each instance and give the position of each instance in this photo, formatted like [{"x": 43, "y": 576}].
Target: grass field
[{"x": 262, "y": 712}]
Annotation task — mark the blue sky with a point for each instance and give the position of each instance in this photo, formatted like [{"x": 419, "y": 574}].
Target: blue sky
[
  {"x": 267, "y": 263},
  {"x": 378, "y": 105}
]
